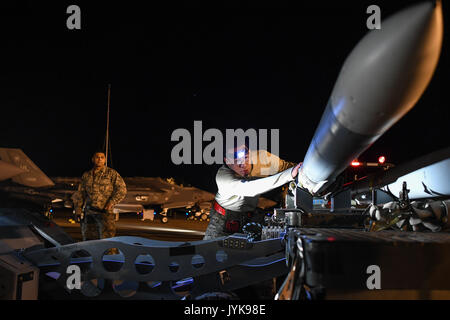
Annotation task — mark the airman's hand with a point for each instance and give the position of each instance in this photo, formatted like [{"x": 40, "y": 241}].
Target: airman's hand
[
  {"x": 78, "y": 214},
  {"x": 78, "y": 211},
  {"x": 294, "y": 171},
  {"x": 109, "y": 207}
]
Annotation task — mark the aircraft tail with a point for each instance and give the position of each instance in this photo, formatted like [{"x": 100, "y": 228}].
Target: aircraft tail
[{"x": 31, "y": 176}]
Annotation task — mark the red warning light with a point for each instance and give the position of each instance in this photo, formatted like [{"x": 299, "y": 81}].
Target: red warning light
[
  {"x": 355, "y": 163},
  {"x": 382, "y": 159}
]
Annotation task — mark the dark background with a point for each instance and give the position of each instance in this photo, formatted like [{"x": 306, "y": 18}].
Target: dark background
[{"x": 247, "y": 64}]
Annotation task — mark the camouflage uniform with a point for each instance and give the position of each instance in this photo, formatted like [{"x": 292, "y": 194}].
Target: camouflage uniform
[
  {"x": 263, "y": 164},
  {"x": 96, "y": 191}
]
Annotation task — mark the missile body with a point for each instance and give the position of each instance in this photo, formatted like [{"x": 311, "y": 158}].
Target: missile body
[
  {"x": 428, "y": 182},
  {"x": 425, "y": 177},
  {"x": 380, "y": 81}
]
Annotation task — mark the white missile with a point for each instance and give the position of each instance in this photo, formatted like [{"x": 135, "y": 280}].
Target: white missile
[{"x": 380, "y": 81}]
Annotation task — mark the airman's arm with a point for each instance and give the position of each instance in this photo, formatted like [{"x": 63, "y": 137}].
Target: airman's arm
[
  {"x": 79, "y": 197},
  {"x": 119, "y": 192},
  {"x": 265, "y": 164},
  {"x": 285, "y": 165},
  {"x": 229, "y": 183}
]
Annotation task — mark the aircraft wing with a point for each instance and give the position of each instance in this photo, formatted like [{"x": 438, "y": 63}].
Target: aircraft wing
[
  {"x": 155, "y": 184},
  {"x": 8, "y": 170},
  {"x": 31, "y": 176}
]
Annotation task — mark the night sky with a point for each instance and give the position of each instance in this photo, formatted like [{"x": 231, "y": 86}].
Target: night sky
[{"x": 247, "y": 64}]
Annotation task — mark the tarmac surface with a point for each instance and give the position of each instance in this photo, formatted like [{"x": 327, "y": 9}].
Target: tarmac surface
[{"x": 178, "y": 228}]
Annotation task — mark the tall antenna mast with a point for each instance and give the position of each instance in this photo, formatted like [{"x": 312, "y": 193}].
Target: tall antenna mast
[{"x": 107, "y": 124}]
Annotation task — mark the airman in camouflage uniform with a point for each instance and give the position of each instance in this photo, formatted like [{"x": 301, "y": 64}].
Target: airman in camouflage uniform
[{"x": 101, "y": 188}]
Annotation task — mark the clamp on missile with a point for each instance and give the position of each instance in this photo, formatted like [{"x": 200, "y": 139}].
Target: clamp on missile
[{"x": 380, "y": 81}]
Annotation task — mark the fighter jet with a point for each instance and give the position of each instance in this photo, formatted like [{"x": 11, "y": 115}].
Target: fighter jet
[
  {"x": 146, "y": 195},
  {"x": 21, "y": 180}
]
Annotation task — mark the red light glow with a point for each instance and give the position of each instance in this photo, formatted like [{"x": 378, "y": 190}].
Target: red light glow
[
  {"x": 382, "y": 159},
  {"x": 355, "y": 163}
]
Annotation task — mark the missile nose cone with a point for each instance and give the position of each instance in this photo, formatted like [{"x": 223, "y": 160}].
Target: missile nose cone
[
  {"x": 389, "y": 69},
  {"x": 381, "y": 80}
]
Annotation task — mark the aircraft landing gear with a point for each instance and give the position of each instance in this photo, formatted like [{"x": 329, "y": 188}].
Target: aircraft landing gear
[
  {"x": 163, "y": 216},
  {"x": 164, "y": 219}
]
